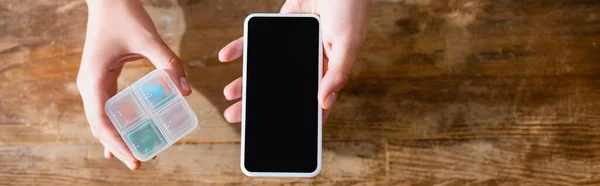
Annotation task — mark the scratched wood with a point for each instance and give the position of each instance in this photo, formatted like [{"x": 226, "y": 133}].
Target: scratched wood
[{"x": 448, "y": 92}]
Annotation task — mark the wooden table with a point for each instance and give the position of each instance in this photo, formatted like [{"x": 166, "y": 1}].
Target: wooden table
[{"x": 446, "y": 92}]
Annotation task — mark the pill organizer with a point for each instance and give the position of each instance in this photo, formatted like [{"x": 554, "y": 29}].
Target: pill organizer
[{"x": 151, "y": 115}]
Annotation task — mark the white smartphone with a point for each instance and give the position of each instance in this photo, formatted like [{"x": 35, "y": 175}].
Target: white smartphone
[{"x": 281, "y": 117}]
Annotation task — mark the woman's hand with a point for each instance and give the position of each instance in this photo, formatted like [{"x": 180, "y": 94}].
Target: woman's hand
[
  {"x": 117, "y": 32},
  {"x": 344, "y": 29}
]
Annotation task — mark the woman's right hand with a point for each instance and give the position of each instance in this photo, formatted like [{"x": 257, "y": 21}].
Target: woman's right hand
[{"x": 117, "y": 32}]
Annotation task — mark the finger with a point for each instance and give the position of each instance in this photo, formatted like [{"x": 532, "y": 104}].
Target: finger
[
  {"x": 233, "y": 114},
  {"x": 296, "y": 6},
  {"x": 234, "y": 89},
  {"x": 163, "y": 58},
  {"x": 94, "y": 94},
  {"x": 332, "y": 83},
  {"x": 107, "y": 153},
  {"x": 232, "y": 51},
  {"x": 129, "y": 161},
  {"x": 338, "y": 72},
  {"x": 115, "y": 144},
  {"x": 326, "y": 114}
]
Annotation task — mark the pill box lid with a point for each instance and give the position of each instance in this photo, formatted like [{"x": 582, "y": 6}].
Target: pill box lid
[{"x": 140, "y": 110}]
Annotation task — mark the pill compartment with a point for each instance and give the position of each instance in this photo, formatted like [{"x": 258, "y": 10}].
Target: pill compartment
[
  {"x": 146, "y": 138},
  {"x": 156, "y": 91},
  {"x": 151, "y": 115},
  {"x": 176, "y": 118},
  {"x": 125, "y": 109}
]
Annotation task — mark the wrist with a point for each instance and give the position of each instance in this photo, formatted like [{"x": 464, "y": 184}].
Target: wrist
[
  {"x": 96, "y": 3},
  {"x": 111, "y": 4}
]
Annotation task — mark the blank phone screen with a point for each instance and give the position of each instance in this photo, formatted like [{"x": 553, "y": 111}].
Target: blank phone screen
[{"x": 282, "y": 75}]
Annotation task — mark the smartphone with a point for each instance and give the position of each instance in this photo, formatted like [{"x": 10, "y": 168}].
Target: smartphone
[{"x": 281, "y": 117}]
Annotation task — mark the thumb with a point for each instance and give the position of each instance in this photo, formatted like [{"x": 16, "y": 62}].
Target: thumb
[
  {"x": 339, "y": 67},
  {"x": 163, "y": 58}
]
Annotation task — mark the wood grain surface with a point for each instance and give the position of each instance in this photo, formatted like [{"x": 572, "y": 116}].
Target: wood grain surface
[{"x": 444, "y": 92}]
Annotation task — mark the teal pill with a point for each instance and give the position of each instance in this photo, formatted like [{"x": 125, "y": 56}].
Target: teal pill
[
  {"x": 156, "y": 94},
  {"x": 147, "y": 138}
]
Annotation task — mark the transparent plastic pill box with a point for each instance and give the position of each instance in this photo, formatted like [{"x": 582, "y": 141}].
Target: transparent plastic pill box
[{"x": 151, "y": 115}]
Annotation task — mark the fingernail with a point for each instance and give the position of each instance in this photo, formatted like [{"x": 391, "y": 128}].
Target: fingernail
[
  {"x": 184, "y": 84},
  {"x": 329, "y": 100},
  {"x": 224, "y": 93},
  {"x": 106, "y": 154},
  {"x": 131, "y": 165}
]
